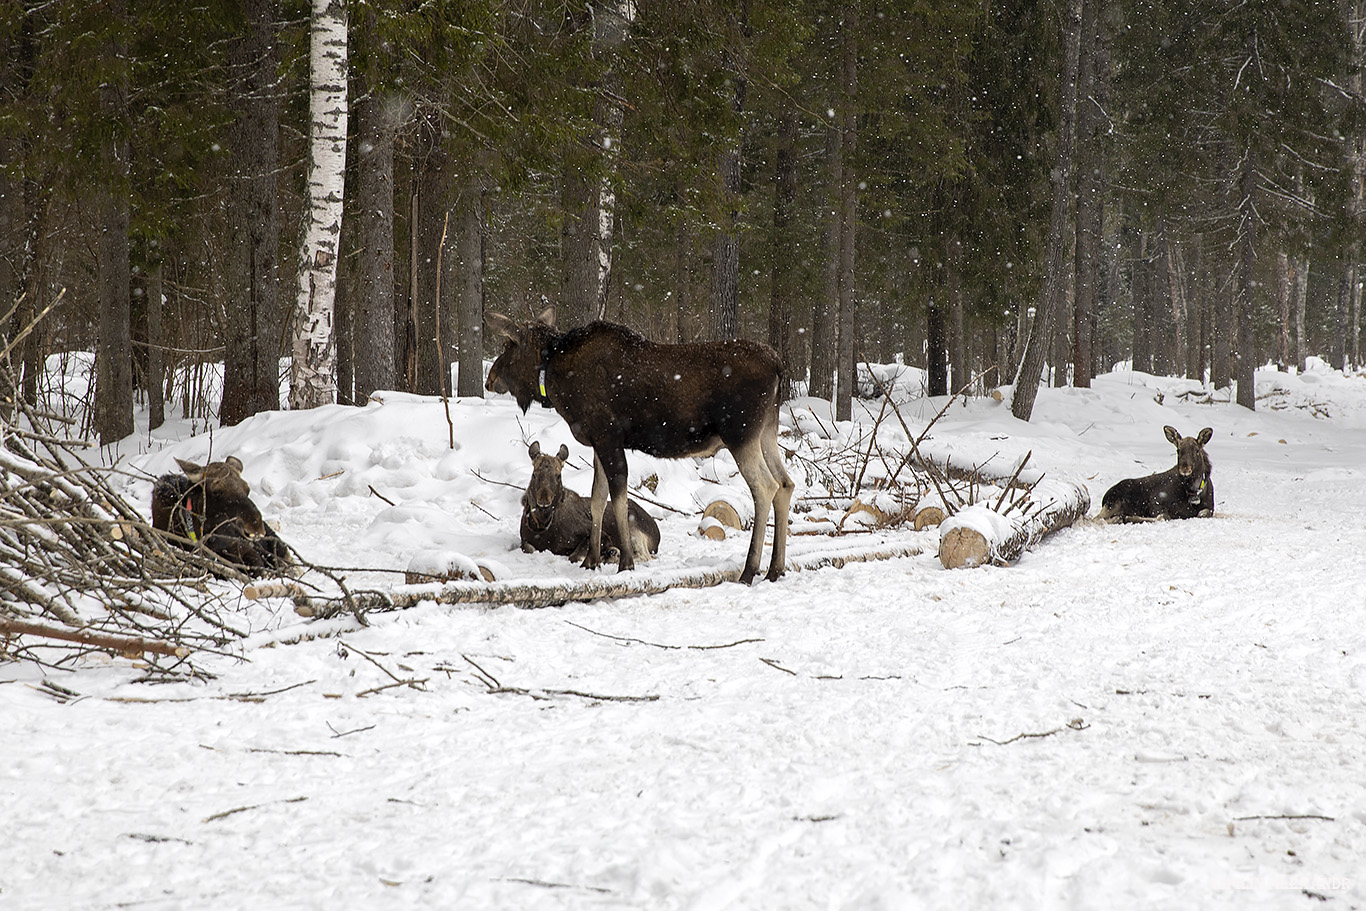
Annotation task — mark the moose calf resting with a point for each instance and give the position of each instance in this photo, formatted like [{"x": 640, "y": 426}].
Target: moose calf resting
[
  {"x": 619, "y": 391},
  {"x": 1184, "y": 491},
  {"x": 557, "y": 519},
  {"x": 212, "y": 504}
]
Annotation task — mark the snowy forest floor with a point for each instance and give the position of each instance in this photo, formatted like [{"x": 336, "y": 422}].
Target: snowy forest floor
[{"x": 1130, "y": 717}]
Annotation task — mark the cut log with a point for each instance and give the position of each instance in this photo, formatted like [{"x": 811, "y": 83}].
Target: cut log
[
  {"x": 724, "y": 513},
  {"x": 930, "y": 515},
  {"x": 711, "y": 529},
  {"x": 978, "y": 534}
]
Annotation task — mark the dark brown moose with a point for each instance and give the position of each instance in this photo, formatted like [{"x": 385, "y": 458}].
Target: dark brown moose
[
  {"x": 211, "y": 504},
  {"x": 618, "y": 391},
  {"x": 1184, "y": 491},
  {"x": 557, "y": 519}
]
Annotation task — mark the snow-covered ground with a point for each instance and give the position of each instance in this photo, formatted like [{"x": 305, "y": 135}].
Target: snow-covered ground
[{"x": 1165, "y": 715}]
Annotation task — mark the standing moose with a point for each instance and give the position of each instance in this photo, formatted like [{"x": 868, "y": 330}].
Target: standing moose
[
  {"x": 618, "y": 391},
  {"x": 1183, "y": 491}
]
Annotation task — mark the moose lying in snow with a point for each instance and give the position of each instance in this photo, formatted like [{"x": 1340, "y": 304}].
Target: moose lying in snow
[
  {"x": 619, "y": 391},
  {"x": 557, "y": 519},
  {"x": 211, "y": 504},
  {"x": 1184, "y": 491}
]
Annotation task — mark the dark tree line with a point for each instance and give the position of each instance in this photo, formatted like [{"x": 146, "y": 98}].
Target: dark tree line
[{"x": 999, "y": 192}]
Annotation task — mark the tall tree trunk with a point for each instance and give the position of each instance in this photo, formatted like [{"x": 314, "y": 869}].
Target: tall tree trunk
[
  {"x": 936, "y": 348},
  {"x": 1283, "y": 311},
  {"x": 1247, "y": 258},
  {"x": 1032, "y": 364},
  {"x": 1338, "y": 345},
  {"x": 114, "y": 374},
  {"x": 1142, "y": 290},
  {"x": 724, "y": 306},
  {"x": 1093, "y": 74},
  {"x": 156, "y": 353},
  {"x": 252, "y": 311},
  {"x": 432, "y": 202},
  {"x": 825, "y": 312},
  {"x": 1300, "y": 290},
  {"x": 313, "y": 369},
  {"x": 784, "y": 249},
  {"x": 587, "y": 194},
  {"x": 1176, "y": 289},
  {"x": 470, "y": 255},
  {"x": 683, "y": 331},
  {"x": 960, "y": 372},
  {"x": 373, "y": 307},
  {"x": 847, "y": 365}
]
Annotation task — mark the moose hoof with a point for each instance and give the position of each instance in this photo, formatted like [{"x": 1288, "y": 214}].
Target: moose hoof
[{"x": 774, "y": 575}]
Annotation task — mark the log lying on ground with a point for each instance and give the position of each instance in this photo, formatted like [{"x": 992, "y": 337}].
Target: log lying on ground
[
  {"x": 978, "y": 534},
  {"x": 549, "y": 593},
  {"x": 124, "y": 645}
]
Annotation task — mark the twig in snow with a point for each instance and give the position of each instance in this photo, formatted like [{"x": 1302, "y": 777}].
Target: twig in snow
[
  {"x": 661, "y": 645},
  {"x": 1076, "y": 724},
  {"x": 776, "y": 666}
]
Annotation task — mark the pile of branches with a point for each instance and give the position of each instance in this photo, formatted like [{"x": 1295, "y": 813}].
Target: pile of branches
[
  {"x": 896, "y": 479},
  {"x": 81, "y": 571}
]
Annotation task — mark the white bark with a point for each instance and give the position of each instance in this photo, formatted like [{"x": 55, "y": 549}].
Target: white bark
[{"x": 313, "y": 372}]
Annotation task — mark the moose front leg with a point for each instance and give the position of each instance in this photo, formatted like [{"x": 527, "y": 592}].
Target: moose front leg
[
  {"x": 611, "y": 466},
  {"x": 597, "y": 505}
]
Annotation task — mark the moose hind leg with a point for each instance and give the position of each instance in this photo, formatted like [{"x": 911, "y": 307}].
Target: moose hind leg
[
  {"x": 749, "y": 458},
  {"x": 782, "y": 499}
]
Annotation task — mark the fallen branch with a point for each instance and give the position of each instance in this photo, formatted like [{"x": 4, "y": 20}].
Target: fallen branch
[
  {"x": 124, "y": 645},
  {"x": 700, "y": 648},
  {"x": 1076, "y": 724}
]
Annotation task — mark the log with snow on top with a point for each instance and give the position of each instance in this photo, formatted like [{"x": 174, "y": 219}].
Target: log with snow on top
[{"x": 979, "y": 534}]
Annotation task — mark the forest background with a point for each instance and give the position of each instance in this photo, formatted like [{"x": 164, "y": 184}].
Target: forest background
[{"x": 999, "y": 192}]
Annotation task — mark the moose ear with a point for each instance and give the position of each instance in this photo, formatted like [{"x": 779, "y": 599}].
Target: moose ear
[
  {"x": 192, "y": 470},
  {"x": 564, "y": 453},
  {"x": 1172, "y": 435},
  {"x": 547, "y": 317},
  {"x": 500, "y": 323},
  {"x": 234, "y": 463},
  {"x": 534, "y": 450},
  {"x": 1204, "y": 436}
]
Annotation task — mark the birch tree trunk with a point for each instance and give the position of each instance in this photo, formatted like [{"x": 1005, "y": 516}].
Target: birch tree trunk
[{"x": 313, "y": 371}]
